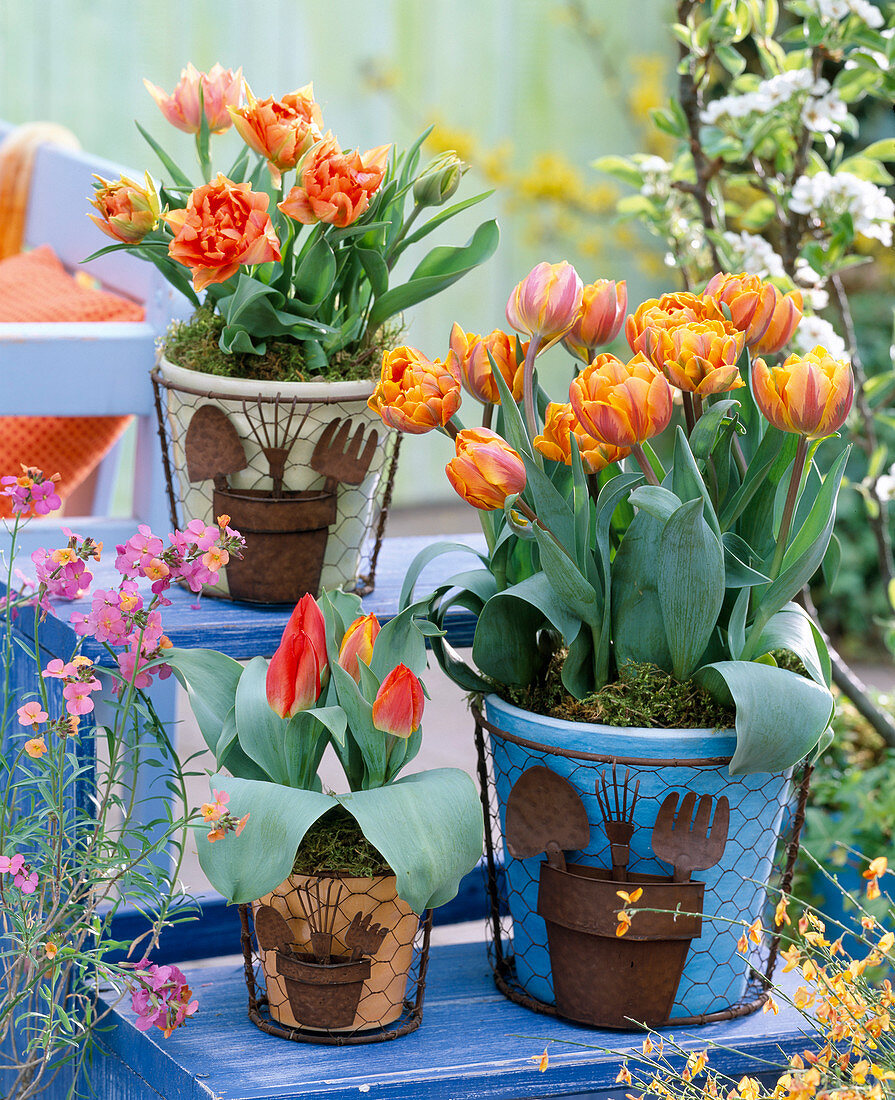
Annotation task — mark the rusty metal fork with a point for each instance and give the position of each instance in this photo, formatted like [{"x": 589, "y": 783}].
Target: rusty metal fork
[
  {"x": 686, "y": 843},
  {"x": 338, "y": 455}
]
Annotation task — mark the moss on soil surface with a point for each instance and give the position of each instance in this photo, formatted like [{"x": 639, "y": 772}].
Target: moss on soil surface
[
  {"x": 335, "y": 843},
  {"x": 194, "y": 345},
  {"x": 643, "y": 696}
]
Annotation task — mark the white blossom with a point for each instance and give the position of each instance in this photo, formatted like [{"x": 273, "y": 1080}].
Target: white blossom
[
  {"x": 825, "y": 115},
  {"x": 656, "y": 174},
  {"x": 825, "y": 197},
  {"x": 885, "y": 485},
  {"x": 754, "y": 255},
  {"x": 815, "y": 330},
  {"x": 776, "y": 91},
  {"x": 835, "y": 10}
]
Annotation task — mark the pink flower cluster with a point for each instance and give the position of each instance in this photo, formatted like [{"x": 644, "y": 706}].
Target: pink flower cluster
[
  {"x": 78, "y": 682},
  {"x": 224, "y": 822},
  {"x": 31, "y": 493},
  {"x": 23, "y": 876},
  {"x": 196, "y": 555},
  {"x": 161, "y": 998}
]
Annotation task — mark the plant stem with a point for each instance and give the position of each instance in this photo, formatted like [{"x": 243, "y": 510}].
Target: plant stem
[
  {"x": 789, "y": 507},
  {"x": 643, "y": 462},
  {"x": 528, "y": 396},
  {"x": 689, "y": 415},
  {"x": 392, "y": 258},
  {"x": 487, "y": 414}
]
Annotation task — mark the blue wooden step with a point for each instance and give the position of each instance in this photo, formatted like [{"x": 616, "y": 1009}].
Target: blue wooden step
[{"x": 473, "y": 1044}]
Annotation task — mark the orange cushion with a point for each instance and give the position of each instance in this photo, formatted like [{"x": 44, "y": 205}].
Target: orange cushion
[{"x": 34, "y": 286}]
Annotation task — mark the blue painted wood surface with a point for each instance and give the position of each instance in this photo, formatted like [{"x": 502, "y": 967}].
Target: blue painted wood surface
[{"x": 473, "y": 1044}]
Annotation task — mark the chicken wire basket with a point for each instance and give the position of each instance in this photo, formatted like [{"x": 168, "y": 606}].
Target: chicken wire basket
[
  {"x": 335, "y": 960},
  {"x": 256, "y": 452},
  {"x": 718, "y": 982}
]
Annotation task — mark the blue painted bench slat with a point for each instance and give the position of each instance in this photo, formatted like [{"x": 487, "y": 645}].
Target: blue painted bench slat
[{"x": 473, "y": 1045}]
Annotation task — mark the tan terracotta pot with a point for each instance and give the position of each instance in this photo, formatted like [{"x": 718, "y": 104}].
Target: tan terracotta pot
[{"x": 382, "y": 996}]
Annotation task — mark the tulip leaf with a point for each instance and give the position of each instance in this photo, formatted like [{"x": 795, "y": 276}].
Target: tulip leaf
[
  {"x": 210, "y": 679},
  {"x": 686, "y": 480},
  {"x": 736, "y": 624},
  {"x": 659, "y": 502},
  {"x": 578, "y": 669},
  {"x": 780, "y": 716},
  {"x": 247, "y": 867},
  {"x": 400, "y": 641},
  {"x": 304, "y": 741},
  {"x": 427, "y": 555},
  {"x": 178, "y": 177},
  {"x": 442, "y": 216},
  {"x": 708, "y": 427},
  {"x": 441, "y": 268},
  {"x": 428, "y": 826},
  {"x": 567, "y": 580},
  {"x": 690, "y": 574},
  {"x": 229, "y": 754},
  {"x": 756, "y": 473},
  {"x": 792, "y": 629},
  {"x": 737, "y": 554},
  {"x": 509, "y": 415},
  {"x": 316, "y": 273},
  {"x": 375, "y": 268},
  {"x": 262, "y": 733},
  {"x": 637, "y": 627},
  {"x": 370, "y": 741}
]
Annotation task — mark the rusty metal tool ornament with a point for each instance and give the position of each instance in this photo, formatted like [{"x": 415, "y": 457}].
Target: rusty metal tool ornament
[
  {"x": 620, "y": 825},
  {"x": 364, "y": 937},
  {"x": 687, "y": 843},
  {"x": 545, "y": 814},
  {"x": 286, "y": 531}
]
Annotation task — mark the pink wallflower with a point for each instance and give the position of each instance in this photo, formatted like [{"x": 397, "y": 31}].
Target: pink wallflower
[
  {"x": 31, "y": 714},
  {"x": 141, "y": 548},
  {"x": 58, "y": 669},
  {"x": 161, "y": 997},
  {"x": 25, "y": 879},
  {"x": 11, "y": 864},
  {"x": 77, "y": 696},
  {"x": 31, "y": 493},
  {"x": 62, "y": 575}
]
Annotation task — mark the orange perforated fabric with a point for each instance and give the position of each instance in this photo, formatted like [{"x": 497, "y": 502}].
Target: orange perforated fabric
[{"x": 35, "y": 286}]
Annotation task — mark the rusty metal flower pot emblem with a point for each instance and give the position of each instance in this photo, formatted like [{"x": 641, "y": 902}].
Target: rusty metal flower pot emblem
[
  {"x": 601, "y": 977},
  {"x": 286, "y": 531}
]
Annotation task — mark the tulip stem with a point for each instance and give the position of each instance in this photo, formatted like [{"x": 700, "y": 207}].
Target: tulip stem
[
  {"x": 393, "y": 251},
  {"x": 643, "y": 462},
  {"x": 531, "y": 516},
  {"x": 689, "y": 416},
  {"x": 487, "y": 413},
  {"x": 528, "y": 393},
  {"x": 697, "y": 408},
  {"x": 739, "y": 458},
  {"x": 789, "y": 507}
]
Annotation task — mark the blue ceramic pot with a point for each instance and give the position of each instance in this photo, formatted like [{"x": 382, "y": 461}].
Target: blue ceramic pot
[{"x": 715, "y": 974}]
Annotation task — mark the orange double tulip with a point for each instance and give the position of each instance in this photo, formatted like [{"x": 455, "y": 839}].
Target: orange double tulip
[
  {"x": 545, "y": 304},
  {"x": 699, "y": 358},
  {"x": 224, "y": 226},
  {"x": 669, "y": 311},
  {"x": 128, "y": 211},
  {"x": 486, "y": 469},
  {"x": 784, "y": 322},
  {"x": 621, "y": 404},
  {"x": 476, "y": 373},
  {"x": 280, "y": 130},
  {"x": 416, "y": 394},
  {"x": 560, "y": 423},
  {"x": 810, "y": 395},
  {"x": 751, "y": 302},
  {"x": 335, "y": 187},
  {"x": 600, "y": 318}
]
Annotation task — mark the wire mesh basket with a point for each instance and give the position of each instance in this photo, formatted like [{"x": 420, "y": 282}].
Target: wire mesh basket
[
  {"x": 257, "y": 452},
  {"x": 718, "y": 981},
  {"x": 336, "y": 960}
]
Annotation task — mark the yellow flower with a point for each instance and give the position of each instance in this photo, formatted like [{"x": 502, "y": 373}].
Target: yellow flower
[
  {"x": 631, "y": 898},
  {"x": 771, "y": 1005},
  {"x": 781, "y": 916},
  {"x": 36, "y": 747},
  {"x": 624, "y": 922},
  {"x": 624, "y": 1076}
]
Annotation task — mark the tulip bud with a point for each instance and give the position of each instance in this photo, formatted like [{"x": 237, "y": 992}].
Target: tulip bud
[
  {"x": 439, "y": 180},
  {"x": 750, "y": 301},
  {"x": 220, "y": 89},
  {"x": 603, "y": 306},
  {"x": 810, "y": 394},
  {"x": 398, "y": 706},
  {"x": 416, "y": 394},
  {"x": 128, "y": 211},
  {"x": 784, "y": 322},
  {"x": 546, "y": 303},
  {"x": 298, "y": 669},
  {"x": 486, "y": 469},
  {"x": 476, "y": 372},
  {"x": 621, "y": 404},
  {"x": 357, "y": 645}
]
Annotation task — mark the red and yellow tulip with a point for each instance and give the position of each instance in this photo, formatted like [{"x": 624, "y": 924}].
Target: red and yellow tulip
[
  {"x": 415, "y": 394},
  {"x": 669, "y": 311},
  {"x": 357, "y": 644},
  {"x": 621, "y": 404},
  {"x": 476, "y": 373},
  {"x": 784, "y": 322},
  {"x": 398, "y": 706},
  {"x": 486, "y": 469},
  {"x": 560, "y": 423},
  {"x": 810, "y": 395},
  {"x": 600, "y": 318},
  {"x": 298, "y": 668}
]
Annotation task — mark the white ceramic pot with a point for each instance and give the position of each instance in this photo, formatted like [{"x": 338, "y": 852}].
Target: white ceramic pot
[{"x": 323, "y": 401}]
